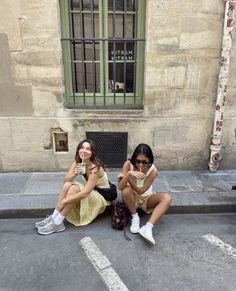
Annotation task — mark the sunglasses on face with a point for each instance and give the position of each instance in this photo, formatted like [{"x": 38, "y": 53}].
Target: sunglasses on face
[{"x": 142, "y": 162}]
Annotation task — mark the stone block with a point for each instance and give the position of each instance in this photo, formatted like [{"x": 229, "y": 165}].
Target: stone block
[
  {"x": 42, "y": 39},
  {"x": 212, "y": 7},
  {"x": 232, "y": 72},
  {"x": 179, "y": 103},
  {"x": 5, "y": 133},
  {"x": 199, "y": 24},
  {"x": 16, "y": 101},
  {"x": 154, "y": 77},
  {"x": 27, "y": 160},
  {"x": 200, "y": 40},
  {"x": 45, "y": 76},
  {"x": 5, "y": 70},
  {"x": 38, "y": 57},
  {"x": 170, "y": 7},
  {"x": 45, "y": 101},
  {"x": 175, "y": 76},
  {"x": 180, "y": 133},
  {"x": 9, "y": 23}
]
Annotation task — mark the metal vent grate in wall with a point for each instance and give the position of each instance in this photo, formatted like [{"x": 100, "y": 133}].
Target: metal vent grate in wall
[{"x": 111, "y": 147}]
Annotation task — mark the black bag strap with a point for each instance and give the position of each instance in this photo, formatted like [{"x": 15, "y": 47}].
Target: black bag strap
[
  {"x": 86, "y": 178},
  {"x": 125, "y": 235}
]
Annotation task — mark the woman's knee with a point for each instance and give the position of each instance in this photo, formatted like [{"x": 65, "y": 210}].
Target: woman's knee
[
  {"x": 166, "y": 198},
  {"x": 73, "y": 189},
  {"x": 66, "y": 186},
  {"x": 127, "y": 192}
]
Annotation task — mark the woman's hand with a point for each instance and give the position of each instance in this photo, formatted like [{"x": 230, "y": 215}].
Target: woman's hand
[
  {"x": 137, "y": 174},
  {"x": 72, "y": 173},
  {"x": 120, "y": 177}
]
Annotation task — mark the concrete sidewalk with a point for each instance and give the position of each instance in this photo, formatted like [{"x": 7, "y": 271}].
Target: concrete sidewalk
[{"x": 34, "y": 194}]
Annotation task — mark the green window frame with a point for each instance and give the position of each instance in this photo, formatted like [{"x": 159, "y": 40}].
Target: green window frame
[{"x": 103, "y": 53}]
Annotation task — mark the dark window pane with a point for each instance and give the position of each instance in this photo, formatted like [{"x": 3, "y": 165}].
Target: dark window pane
[
  {"x": 120, "y": 54},
  {"x": 116, "y": 27},
  {"x": 129, "y": 29},
  {"x": 90, "y": 53},
  {"x": 121, "y": 67},
  {"x": 95, "y": 25},
  {"x": 77, "y": 52},
  {"x": 78, "y": 80},
  {"x": 119, "y": 28},
  {"x": 120, "y": 85},
  {"x": 86, "y": 4},
  {"x": 119, "y": 5},
  {"x": 90, "y": 28},
  {"x": 130, "y": 77},
  {"x": 85, "y": 77}
]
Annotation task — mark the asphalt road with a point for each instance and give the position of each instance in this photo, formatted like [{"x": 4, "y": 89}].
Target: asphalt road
[{"x": 192, "y": 252}]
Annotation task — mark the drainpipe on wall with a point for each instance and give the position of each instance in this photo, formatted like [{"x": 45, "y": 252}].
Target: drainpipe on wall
[{"x": 215, "y": 156}]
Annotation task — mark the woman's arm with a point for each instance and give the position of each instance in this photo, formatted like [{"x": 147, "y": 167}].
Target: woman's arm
[
  {"x": 89, "y": 186},
  {"x": 72, "y": 173},
  {"x": 126, "y": 176}
]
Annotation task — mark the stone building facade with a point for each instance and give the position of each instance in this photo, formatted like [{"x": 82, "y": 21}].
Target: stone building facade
[{"x": 183, "y": 44}]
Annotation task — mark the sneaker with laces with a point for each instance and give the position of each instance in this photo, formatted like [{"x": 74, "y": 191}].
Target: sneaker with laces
[
  {"x": 51, "y": 227},
  {"x": 134, "y": 228},
  {"x": 146, "y": 233},
  {"x": 43, "y": 222}
]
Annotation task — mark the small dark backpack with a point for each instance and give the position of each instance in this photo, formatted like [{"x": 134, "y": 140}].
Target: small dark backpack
[{"x": 120, "y": 217}]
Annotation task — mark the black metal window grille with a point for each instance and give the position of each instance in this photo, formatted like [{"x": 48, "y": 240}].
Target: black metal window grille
[
  {"x": 111, "y": 147},
  {"x": 106, "y": 52}
]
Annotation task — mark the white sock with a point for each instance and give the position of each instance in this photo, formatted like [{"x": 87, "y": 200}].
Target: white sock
[
  {"x": 135, "y": 216},
  {"x": 55, "y": 213},
  {"x": 149, "y": 225},
  {"x": 59, "y": 218}
]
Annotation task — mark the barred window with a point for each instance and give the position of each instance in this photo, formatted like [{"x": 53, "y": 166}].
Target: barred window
[{"x": 103, "y": 52}]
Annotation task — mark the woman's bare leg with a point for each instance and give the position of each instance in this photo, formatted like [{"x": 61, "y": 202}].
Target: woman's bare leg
[
  {"x": 73, "y": 189},
  {"x": 159, "y": 203},
  {"x": 65, "y": 188},
  {"x": 129, "y": 199}
]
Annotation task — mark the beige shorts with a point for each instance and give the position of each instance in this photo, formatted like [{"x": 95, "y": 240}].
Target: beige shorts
[{"x": 141, "y": 201}]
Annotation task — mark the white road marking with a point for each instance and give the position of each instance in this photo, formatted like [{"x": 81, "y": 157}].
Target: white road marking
[
  {"x": 228, "y": 249},
  {"x": 102, "y": 265}
]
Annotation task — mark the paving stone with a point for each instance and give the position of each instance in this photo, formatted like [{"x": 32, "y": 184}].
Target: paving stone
[
  {"x": 13, "y": 183},
  {"x": 181, "y": 178},
  {"x": 40, "y": 183}
]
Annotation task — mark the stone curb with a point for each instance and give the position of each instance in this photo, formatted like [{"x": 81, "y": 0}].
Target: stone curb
[{"x": 174, "y": 209}]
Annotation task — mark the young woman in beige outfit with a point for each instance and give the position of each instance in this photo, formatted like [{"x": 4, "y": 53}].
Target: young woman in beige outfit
[{"x": 135, "y": 181}]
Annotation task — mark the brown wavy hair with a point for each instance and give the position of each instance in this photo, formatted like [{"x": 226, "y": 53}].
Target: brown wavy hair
[{"x": 94, "y": 159}]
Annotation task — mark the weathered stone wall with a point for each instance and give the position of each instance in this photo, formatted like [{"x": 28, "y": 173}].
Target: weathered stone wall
[{"x": 183, "y": 44}]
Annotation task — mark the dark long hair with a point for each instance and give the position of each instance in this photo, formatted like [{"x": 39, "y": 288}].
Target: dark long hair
[
  {"x": 142, "y": 149},
  {"x": 94, "y": 159}
]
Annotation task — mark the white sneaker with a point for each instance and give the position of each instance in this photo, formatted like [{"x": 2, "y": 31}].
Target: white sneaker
[
  {"x": 51, "y": 227},
  {"x": 134, "y": 228},
  {"x": 43, "y": 222},
  {"x": 146, "y": 233}
]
